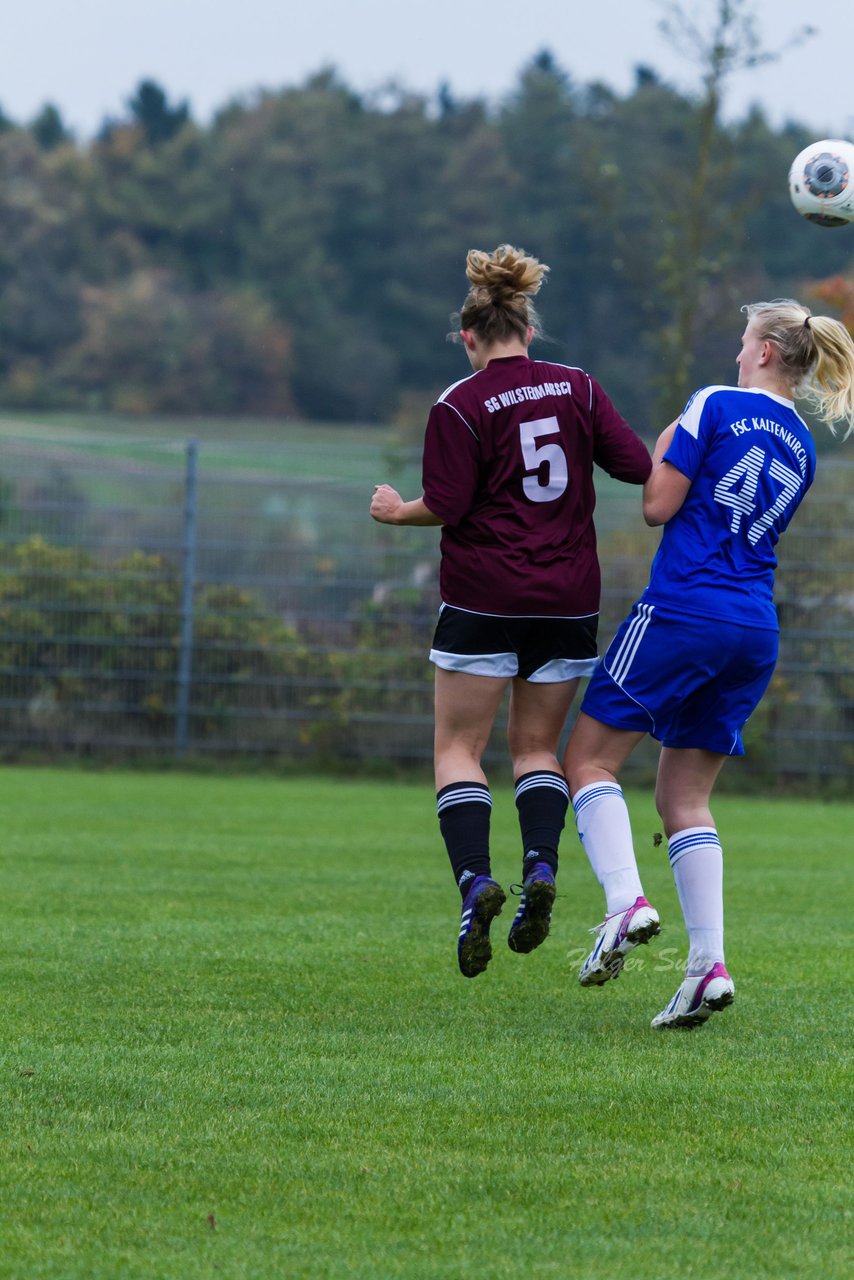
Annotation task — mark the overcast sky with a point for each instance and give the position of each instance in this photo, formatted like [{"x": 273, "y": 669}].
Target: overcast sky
[{"x": 87, "y": 56}]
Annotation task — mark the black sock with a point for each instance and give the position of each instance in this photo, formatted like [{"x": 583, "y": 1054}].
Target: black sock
[
  {"x": 464, "y": 810},
  {"x": 542, "y": 800}
]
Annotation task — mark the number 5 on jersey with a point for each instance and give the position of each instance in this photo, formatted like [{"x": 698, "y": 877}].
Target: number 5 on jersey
[{"x": 546, "y": 461}]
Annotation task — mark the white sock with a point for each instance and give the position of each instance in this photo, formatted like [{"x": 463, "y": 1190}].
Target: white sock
[
  {"x": 605, "y": 831},
  {"x": 698, "y": 869}
]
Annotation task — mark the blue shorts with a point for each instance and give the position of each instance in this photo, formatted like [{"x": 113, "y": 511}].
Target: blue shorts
[{"x": 687, "y": 681}]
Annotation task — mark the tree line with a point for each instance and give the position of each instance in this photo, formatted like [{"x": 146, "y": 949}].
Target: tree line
[{"x": 301, "y": 254}]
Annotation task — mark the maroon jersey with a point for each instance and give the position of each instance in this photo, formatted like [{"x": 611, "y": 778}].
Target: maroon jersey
[{"x": 508, "y": 467}]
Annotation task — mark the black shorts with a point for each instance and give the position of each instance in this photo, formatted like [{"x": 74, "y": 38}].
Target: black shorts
[{"x": 542, "y": 650}]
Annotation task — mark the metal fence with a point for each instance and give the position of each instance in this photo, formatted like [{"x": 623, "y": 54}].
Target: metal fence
[{"x": 231, "y": 598}]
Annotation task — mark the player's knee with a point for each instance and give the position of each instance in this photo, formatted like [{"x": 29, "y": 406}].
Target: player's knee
[
  {"x": 671, "y": 809},
  {"x": 682, "y": 813}
]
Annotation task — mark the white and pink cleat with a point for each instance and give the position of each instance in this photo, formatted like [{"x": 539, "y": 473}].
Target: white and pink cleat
[
  {"x": 697, "y": 999},
  {"x": 616, "y": 937}
]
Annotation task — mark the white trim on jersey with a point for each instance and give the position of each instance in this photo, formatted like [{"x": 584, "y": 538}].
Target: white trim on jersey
[
  {"x": 690, "y": 419},
  {"x": 461, "y": 418},
  {"x": 772, "y": 395},
  {"x": 555, "y": 617},
  {"x": 447, "y": 392},
  {"x": 630, "y": 643},
  {"x": 558, "y": 364},
  {"x": 441, "y": 399}
]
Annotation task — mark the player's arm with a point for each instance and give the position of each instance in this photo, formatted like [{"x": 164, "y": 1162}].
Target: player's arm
[
  {"x": 617, "y": 448},
  {"x": 667, "y": 487},
  {"x": 388, "y": 507},
  {"x": 450, "y": 466}
]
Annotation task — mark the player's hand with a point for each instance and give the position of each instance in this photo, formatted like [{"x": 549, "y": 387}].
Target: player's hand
[{"x": 386, "y": 504}]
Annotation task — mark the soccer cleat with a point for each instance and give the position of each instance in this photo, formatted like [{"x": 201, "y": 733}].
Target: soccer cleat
[
  {"x": 530, "y": 925},
  {"x": 616, "y": 937},
  {"x": 481, "y": 905},
  {"x": 697, "y": 999}
]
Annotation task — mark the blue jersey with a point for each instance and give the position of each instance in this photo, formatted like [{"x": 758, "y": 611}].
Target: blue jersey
[{"x": 750, "y": 458}]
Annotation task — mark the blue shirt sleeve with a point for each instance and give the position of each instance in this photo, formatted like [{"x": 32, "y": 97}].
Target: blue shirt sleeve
[{"x": 690, "y": 439}]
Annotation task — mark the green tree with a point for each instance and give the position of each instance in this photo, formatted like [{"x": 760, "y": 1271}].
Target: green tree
[
  {"x": 150, "y": 345},
  {"x": 541, "y": 125},
  {"x": 315, "y": 238},
  {"x": 41, "y": 238},
  {"x": 48, "y": 128},
  {"x": 157, "y": 206},
  {"x": 303, "y": 189},
  {"x": 723, "y": 41},
  {"x": 151, "y": 111}
]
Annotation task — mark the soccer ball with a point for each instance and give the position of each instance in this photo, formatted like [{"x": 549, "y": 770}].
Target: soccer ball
[{"x": 821, "y": 182}]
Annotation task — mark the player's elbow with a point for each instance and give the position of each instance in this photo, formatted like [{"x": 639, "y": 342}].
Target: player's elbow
[
  {"x": 663, "y": 494},
  {"x": 653, "y": 511}
]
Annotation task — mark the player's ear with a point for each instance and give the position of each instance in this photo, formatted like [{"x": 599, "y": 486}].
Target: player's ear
[
  {"x": 468, "y": 339},
  {"x": 767, "y": 352}
]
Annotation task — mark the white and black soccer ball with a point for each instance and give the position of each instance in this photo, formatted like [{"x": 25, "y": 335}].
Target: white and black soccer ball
[{"x": 821, "y": 182}]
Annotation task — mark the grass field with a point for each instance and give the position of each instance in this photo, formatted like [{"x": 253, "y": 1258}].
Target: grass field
[
  {"x": 235, "y": 1044},
  {"x": 358, "y": 452}
]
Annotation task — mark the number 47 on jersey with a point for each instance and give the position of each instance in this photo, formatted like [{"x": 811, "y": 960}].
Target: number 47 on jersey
[{"x": 737, "y": 489}]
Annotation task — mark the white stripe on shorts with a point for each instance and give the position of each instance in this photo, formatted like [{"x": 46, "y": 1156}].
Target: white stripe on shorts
[
  {"x": 625, "y": 655},
  {"x": 563, "y": 669},
  {"x": 477, "y": 664}
]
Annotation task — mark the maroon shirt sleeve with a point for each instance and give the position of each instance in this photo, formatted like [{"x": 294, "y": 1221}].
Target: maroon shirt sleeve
[
  {"x": 451, "y": 464},
  {"x": 616, "y": 448}
]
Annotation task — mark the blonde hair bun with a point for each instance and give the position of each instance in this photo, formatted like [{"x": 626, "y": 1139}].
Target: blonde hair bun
[
  {"x": 498, "y": 306},
  {"x": 505, "y": 273}
]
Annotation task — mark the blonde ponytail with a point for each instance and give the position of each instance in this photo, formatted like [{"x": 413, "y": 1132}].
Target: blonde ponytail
[{"x": 816, "y": 355}]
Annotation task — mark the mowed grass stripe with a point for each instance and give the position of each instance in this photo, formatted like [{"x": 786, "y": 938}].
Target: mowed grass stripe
[{"x": 235, "y": 1043}]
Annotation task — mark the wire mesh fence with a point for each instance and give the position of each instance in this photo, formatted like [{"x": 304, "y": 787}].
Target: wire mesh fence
[{"x": 164, "y": 598}]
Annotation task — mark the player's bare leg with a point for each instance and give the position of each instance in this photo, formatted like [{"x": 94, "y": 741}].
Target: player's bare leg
[
  {"x": 537, "y": 716},
  {"x": 683, "y": 787},
  {"x": 465, "y": 711}
]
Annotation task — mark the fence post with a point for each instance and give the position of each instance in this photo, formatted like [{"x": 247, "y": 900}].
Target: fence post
[{"x": 188, "y": 574}]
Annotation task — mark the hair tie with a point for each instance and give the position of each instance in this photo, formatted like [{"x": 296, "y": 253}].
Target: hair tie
[{"x": 807, "y": 324}]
